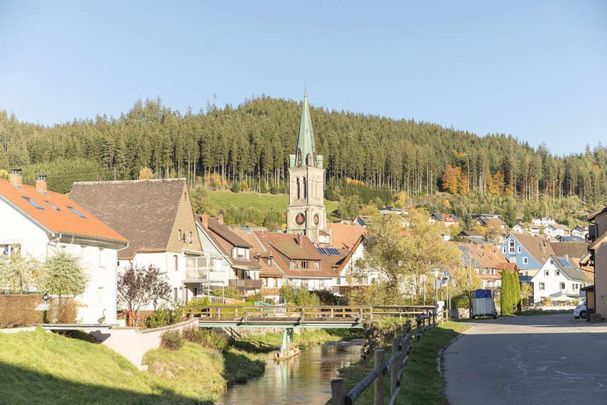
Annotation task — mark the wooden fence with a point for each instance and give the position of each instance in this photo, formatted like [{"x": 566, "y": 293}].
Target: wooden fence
[{"x": 394, "y": 367}]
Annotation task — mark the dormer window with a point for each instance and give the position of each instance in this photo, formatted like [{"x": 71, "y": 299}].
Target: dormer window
[
  {"x": 33, "y": 203},
  {"x": 76, "y": 211},
  {"x": 305, "y": 264}
]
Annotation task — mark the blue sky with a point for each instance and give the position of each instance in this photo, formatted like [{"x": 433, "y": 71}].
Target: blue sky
[{"x": 536, "y": 70}]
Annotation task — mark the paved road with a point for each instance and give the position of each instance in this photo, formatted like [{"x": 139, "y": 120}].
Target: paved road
[{"x": 544, "y": 359}]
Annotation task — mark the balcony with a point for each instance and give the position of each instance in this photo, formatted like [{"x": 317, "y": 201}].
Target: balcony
[
  {"x": 246, "y": 284},
  {"x": 197, "y": 274}
]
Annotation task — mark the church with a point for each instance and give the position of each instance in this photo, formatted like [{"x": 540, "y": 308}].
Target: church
[{"x": 306, "y": 212}]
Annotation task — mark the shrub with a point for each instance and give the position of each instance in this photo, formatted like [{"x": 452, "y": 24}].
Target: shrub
[
  {"x": 19, "y": 310},
  {"x": 460, "y": 301},
  {"x": 163, "y": 316},
  {"x": 62, "y": 310},
  {"x": 235, "y": 188},
  {"x": 207, "y": 338},
  {"x": 171, "y": 340},
  {"x": 228, "y": 292}
]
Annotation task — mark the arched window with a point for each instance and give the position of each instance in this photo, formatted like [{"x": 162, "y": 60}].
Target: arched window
[
  {"x": 298, "y": 189},
  {"x": 305, "y": 184}
]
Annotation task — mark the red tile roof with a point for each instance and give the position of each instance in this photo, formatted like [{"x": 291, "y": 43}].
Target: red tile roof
[
  {"x": 56, "y": 213},
  {"x": 345, "y": 236}
]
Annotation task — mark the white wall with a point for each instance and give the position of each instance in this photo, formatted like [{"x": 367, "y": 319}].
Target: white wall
[
  {"x": 552, "y": 283},
  {"x": 99, "y": 265}
]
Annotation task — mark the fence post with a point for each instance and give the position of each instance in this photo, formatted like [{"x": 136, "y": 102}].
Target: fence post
[
  {"x": 395, "y": 365},
  {"x": 378, "y": 357},
  {"x": 434, "y": 317},
  {"x": 338, "y": 391}
]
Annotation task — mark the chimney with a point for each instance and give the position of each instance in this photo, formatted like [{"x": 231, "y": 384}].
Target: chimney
[
  {"x": 15, "y": 177},
  {"x": 220, "y": 218},
  {"x": 41, "y": 184},
  {"x": 204, "y": 219}
]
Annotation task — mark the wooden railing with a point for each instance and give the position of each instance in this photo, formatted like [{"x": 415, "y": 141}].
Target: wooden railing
[
  {"x": 394, "y": 367},
  {"x": 310, "y": 313}
]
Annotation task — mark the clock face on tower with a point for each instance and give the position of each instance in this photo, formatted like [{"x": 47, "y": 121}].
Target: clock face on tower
[
  {"x": 300, "y": 218},
  {"x": 316, "y": 219}
]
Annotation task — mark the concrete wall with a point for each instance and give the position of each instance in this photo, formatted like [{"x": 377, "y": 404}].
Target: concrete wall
[
  {"x": 135, "y": 343},
  {"x": 600, "y": 278}
]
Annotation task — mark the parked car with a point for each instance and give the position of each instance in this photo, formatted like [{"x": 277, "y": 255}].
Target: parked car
[{"x": 580, "y": 311}]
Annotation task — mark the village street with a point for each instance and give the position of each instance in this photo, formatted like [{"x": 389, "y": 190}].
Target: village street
[{"x": 545, "y": 359}]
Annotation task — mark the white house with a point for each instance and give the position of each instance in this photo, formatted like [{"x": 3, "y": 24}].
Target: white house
[
  {"x": 579, "y": 231},
  {"x": 157, "y": 218},
  {"x": 40, "y": 223},
  {"x": 555, "y": 231},
  {"x": 559, "y": 279},
  {"x": 544, "y": 221}
]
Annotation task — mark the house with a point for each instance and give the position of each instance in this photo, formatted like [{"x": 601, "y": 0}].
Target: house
[
  {"x": 597, "y": 236},
  {"x": 575, "y": 250},
  {"x": 491, "y": 221},
  {"x": 487, "y": 260},
  {"x": 237, "y": 266},
  {"x": 299, "y": 259},
  {"x": 527, "y": 251},
  {"x": 392, "y": 210},
  {"x": 41, "y": 223},
  {"x": 157, "y": 218},
  {"x": 556, "y": 231},
  {"x": 542, "y": 222},
  {"x": 445, "y": 219},
  {"x": 559, "y": 279},
  {"x": 579, "y": 232},
  {"x": 472, "y": 237},
  {"x": 362, "y": 220},
  {"x": 518, "y": 228}
]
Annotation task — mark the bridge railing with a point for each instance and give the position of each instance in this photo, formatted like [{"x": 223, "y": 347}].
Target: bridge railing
[
  {"x": 302, "y": 313},
  {"x": 394, "y": 366}
]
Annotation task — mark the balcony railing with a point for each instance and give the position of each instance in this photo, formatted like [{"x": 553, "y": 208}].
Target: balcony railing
[
  {"x": 197, "y": 273},
  {"x": 246, "y": 284}
]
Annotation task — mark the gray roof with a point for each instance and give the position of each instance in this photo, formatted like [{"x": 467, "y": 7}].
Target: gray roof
[
  {"x": 143, "y": 210},
  {"x": 569, "y": 268}
]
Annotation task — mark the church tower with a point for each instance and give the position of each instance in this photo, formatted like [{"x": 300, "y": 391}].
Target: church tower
[{"x": 306, "y": 213}]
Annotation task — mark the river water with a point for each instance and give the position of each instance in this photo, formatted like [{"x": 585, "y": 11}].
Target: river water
[{"x": 304, "y": 379}]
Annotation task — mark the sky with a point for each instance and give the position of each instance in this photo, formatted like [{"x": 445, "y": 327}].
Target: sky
[{"x": 536, "y": 70}]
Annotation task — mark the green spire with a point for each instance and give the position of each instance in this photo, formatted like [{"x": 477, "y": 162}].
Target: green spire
[{"x": 305, "y": 155}]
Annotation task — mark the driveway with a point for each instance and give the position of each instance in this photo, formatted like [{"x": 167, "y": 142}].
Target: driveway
[{"x": 541, "y": 359}]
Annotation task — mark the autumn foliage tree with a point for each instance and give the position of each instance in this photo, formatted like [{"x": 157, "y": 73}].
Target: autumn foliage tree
[{"x": 138, "y": 287}]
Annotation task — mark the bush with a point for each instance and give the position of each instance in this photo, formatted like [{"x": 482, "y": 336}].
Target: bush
[
  {"x": 228, "y": 292},
  {"x": 163, "y": 316},
  {"x": 207, "y": 338},
  {"x": 298, "y": 296},
  {"x": 460, "y": 301},
  {"x": 19, "y": 310},
  {"x": 172, "y": 340},
  {"x": 235, "y": 187}
]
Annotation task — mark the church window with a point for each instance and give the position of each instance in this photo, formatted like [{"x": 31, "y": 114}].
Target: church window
[
  {"x": 305, "y": 184},
  {"x": 298, "y": 189}
]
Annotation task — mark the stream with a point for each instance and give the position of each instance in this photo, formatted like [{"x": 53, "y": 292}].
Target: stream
[{"x": 304, "y": 379}]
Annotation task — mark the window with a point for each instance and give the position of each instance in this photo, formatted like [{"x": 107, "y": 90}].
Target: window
[
  {"x": 10, "y": 249},
  {"x": 176, "y": 259},
  {"x": 557, "y": 272},
  {"x": 179, "y": 235},
  {"x": 525, "y": 260},
  {"x": 542, "y": 287},
  {"x": 503, "y": 249},
  {"x": 53, "y": 206},
  {"x": 190, "y": 237},
  {"x": 33, "y": 203},
  {"x": 511, "y": 246},
  {"x": 551, "y": 261},
  {"x": 291, "y": 264},
  {"x": 519, "y": 249},
  {"x": 562, "y": 286},
  {"x": 317, "y": 266},
  {"x": 76, "y": 211},
  {"x": 305, "y": 264}
]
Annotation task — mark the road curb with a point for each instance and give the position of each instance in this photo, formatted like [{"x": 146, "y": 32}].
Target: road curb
[{"x": 439, "y": 356}]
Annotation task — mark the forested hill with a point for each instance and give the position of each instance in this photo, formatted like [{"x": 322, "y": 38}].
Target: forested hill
[{"x": 254, "y": 140}]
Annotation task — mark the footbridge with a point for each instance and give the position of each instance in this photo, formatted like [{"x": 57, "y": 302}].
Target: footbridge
[{"x": 289, "y": 317}]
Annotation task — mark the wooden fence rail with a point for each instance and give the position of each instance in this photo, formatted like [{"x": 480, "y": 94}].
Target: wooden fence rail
[{"x": 394, "y": 366}]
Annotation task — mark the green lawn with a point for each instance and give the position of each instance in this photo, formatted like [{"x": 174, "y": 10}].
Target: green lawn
[
  {"x": 421, "y": 384},
  {"x": 44, "y": 368},
  {"x": 279, "y": 202}
]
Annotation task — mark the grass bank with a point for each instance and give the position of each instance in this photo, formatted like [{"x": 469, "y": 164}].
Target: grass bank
[
  {"x": 199, "y": 372},
  {"x": 45, "y": 368},
  {"x": 422, "y": 384},
  {"x": 268, "y": 342}
]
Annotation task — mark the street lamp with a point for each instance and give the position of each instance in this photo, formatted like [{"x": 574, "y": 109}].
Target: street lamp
[
  {"x": 436, "y": 273},
  {"x": 446, "y": 281}
]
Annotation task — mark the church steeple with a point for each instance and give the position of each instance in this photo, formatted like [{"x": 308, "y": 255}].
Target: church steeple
[{"x": 305, "y": 154}]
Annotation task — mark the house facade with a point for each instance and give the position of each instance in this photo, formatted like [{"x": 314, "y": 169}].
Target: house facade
[
  {"x": 528, "y": 252},
  {"x": 157, "y": 218},
  {"x": 40, "y": 223},
  {"x": 597, "y": 235},
  {"x": 234, "y": 264},
  {"x": 559, "y": 279}
]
